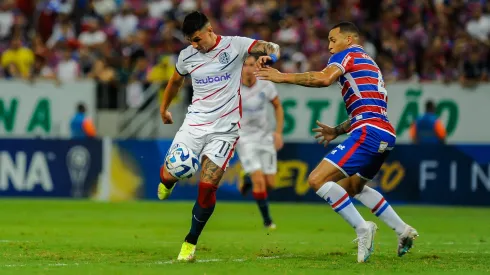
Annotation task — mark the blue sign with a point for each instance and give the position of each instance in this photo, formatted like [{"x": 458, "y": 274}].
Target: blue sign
[
  {"x": 412, "y": 173},
  {"x": 49, "y": 168}
]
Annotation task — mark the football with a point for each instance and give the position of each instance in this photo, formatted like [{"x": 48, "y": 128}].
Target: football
[{"x": 181, "y": 162}]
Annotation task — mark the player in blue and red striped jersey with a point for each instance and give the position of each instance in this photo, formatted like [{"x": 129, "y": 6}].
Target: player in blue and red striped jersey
[{"x": 347, "y": 168}]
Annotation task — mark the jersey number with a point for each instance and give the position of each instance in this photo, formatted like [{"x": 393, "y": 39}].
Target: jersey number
[{"x": 224, "y": 149}]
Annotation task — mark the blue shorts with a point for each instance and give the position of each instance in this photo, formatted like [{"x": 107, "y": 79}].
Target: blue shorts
[{"x": 363, "y": 152}]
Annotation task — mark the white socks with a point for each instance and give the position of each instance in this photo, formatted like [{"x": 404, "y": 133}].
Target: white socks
[
  {"x": 336, "y": 196},
  {"x": 380, "y": 207}
]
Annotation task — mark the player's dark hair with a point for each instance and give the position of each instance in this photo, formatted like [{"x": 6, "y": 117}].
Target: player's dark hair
[
  {"x": 81, "y": 108},
  {"x": 430, "y": 106},
  {"x": 347, "y": 27},
  {"x": 193, "y": 22},
  {"x": 255, "y": 57}
]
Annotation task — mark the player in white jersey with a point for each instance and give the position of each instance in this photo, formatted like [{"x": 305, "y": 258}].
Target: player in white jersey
[
  {"x": 257, "y": 145},
  {"x": 211, "y": 125}
]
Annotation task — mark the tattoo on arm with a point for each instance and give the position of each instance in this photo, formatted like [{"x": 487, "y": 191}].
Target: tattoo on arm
[
  {"x": 265, "y": 48},
  {"x": 308, "y": 79},
  {"x": 304, "y": 79},
  {"x": 342, "y": 128},
  {"x": 210, "y": 172}
]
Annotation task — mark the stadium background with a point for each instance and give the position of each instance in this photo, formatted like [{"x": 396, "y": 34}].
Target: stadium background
[{"x": 116, "y": 56}]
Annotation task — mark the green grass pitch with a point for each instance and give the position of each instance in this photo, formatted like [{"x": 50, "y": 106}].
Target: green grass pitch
[{"x": 84, "y": 237}]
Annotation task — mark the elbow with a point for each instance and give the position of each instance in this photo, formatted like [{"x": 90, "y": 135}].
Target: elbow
[
  {"x": 325, "y": 82},
  {"x": 276, "y": 49}
]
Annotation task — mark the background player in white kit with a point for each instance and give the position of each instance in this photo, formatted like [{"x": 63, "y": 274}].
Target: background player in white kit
[
  {"x": 257, "y": 145},
  {"x": 210, "y": 128}
]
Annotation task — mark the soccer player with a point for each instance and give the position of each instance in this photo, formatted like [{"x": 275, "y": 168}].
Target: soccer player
[
  {"x": 257, "y": 145},
  {"x": 211, "y": 125},
  {"x": 356, "y": 160}
]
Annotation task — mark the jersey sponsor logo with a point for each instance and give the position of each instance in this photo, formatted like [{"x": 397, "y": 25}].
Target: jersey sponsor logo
[
  {"x": 382, "y": 146},
  {"x": 213, "y": 79},
  {"x": 224, "y": 58}
]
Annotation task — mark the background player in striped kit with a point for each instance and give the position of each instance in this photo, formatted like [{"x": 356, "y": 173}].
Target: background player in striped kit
[
  {"x": 210, "y": 128},
  {"x": 257, "y": 145},
  {"x": 358, "y": 159}
]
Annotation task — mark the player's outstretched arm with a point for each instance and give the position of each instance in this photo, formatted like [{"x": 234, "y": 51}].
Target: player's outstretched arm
[
  {"x": 324, "y": 78},
  {"x": 173, "y": 87},
  {"x": 269, "y": 52}
]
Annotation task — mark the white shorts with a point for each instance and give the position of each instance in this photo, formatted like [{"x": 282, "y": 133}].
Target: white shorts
[
  {"x": 218, "y": 147},
  {"x": 256, "y": 156}
]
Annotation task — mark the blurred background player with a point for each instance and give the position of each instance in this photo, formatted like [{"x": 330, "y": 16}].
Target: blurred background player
[
  {"x": 358, "y": 159},
  {"x": 428, "y": 128},
  {"x": 211, "y": 125},
  {"x": 257, "y": 145},
  {"x": 81, "y": 125}
]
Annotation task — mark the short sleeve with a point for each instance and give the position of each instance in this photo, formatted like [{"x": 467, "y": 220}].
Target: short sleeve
[
  {"x": 180, "y": 66},
  {"x": 270, "y": 91},
  {"x": 244, "y": 45},
  {"x": 343, "y": 60}
]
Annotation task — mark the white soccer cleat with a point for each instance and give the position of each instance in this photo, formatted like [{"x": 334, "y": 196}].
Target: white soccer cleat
[
  {"x": 365, "y": 242},
  {"x": 271, "y": 226},
  {"x": 405, "y": 240}
]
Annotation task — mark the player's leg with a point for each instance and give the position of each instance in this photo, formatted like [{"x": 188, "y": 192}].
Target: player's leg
[
  {"x": 246, "y": 153},
  {"x": 251, "y": 158},
  {"x": 356, "y": 187},
  {"x": 323, "y": 179},
  {"x": 203, "y": 208},
  {"x": 194, "y": 141},
  {"x": 268, "y": 159},
  {"x": 215, "y": 157},
  {"x": 270, "y": 181},
  {"x": 259, "y": 192},
  {"x": 338, "y": 164},
  {"x": 374, "y": 151}
]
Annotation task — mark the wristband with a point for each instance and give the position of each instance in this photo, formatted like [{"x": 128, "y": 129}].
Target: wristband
[{"x": 273, "y": 57}]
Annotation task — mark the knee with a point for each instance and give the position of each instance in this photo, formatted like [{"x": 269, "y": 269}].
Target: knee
[
  {"x": 353, "y": 188},
  {"x": 315, "y": 181},
  {"x": 350, "y": 190},
  {"x": 258, "y": 182},
  {"x": 357, "y": 188}
]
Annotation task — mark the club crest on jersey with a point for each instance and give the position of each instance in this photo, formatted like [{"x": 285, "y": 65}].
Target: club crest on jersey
[{"x": 224, "y": 58}]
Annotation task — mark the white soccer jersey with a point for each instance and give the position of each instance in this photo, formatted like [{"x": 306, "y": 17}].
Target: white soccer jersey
[
  {"x": 254, "y": 125},
  {"x": 216, "y": 80}
]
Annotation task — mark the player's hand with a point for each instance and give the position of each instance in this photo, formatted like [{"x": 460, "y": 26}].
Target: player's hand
[
  {"x": 270, "y": 74},
  {"x": 278, "y": 141},
  {"x": 262, "y": 61},
  {"x": 167, "y": 117},
  {"x": 325, "y": 133}
]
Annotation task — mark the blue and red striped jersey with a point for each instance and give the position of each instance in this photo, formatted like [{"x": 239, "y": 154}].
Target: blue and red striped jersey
[{"x": 363, "y": 89}]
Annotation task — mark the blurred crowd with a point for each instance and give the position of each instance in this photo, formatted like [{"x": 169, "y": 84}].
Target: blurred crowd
[{"x": 133, "y": 43}]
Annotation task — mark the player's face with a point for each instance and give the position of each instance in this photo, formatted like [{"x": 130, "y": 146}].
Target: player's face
[
  {"x": 249, "y": 67},
  {"x": 338, "y": 41},
  {"x": 202, "y": 40}
]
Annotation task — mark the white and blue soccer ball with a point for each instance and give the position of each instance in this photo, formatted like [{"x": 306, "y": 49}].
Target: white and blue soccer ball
[{"x": 181, "y": 162}]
